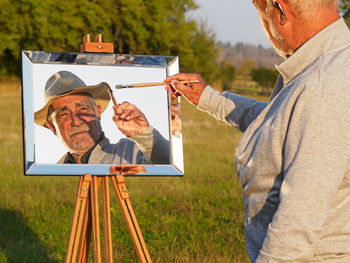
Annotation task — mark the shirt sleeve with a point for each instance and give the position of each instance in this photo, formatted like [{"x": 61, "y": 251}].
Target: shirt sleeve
[
  {"x": 153, "y": 145},
  {"x": 316, "y": 157},
  {"x": 233, "y": 109}
]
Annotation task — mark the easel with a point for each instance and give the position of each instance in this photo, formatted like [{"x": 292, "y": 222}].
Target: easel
[{"x": 86, "y": 214}]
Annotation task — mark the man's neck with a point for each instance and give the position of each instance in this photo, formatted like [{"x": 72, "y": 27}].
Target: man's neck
[
  {"x": 315, "y": 25},
  {"x": 78, "y": 156}
]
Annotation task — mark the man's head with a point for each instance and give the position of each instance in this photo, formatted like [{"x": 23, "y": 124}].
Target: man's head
[
  {"x": 290, "y": 23},
  {"x": 73, "y": 110},
  {"x": 75, "y": 120}
]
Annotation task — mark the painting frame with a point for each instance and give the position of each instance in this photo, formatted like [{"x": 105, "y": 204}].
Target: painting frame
[{"x": 155, "y": 102}]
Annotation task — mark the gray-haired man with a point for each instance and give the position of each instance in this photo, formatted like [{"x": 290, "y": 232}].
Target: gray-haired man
[{"x": 293, "y": 159}]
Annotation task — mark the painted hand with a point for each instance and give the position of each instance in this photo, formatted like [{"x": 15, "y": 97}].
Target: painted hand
[{"x": 129, "y": 119}]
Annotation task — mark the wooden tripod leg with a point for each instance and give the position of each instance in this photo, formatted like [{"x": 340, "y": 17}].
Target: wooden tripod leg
[
  {"x": 83, "y": 251},
  {"x": 95, "y": 219},
  {"x": 107, "y": 220},
  {"x": 130, "y": 218},
  {"x": 78, "y": 216}
]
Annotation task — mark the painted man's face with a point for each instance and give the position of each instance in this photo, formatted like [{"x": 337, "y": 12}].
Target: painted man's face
[{"x": 76, "y": 121}]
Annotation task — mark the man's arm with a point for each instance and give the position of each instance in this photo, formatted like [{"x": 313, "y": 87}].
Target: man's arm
[
  {"x": 153, "y": 145},
  {"x": 132, "y": 123},
  {"x": 316, "y": 157},
  {"x": 235, "y": 110}
]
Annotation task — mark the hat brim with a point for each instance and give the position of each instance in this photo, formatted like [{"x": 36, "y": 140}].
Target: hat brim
[{"x": 98, "y": 92}]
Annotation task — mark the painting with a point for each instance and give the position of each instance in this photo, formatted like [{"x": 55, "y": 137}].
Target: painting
[{"x": 99, "y": 113}]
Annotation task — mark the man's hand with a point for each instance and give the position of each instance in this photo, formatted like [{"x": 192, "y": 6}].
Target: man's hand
[
  {"x": 192, "y": 91},
  {"x": 130, "y": 120}
]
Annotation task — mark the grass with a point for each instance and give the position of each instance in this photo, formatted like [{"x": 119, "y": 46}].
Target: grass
[{"x": 196, "y": 218}]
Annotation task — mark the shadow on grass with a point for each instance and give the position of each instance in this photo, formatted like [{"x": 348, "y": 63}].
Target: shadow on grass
[{"x": 18, "y": 242}]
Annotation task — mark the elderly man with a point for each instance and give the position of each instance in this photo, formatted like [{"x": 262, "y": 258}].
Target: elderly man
[
  {"x": 72, "y": 112},
  {"x": 293, "y": 160}
]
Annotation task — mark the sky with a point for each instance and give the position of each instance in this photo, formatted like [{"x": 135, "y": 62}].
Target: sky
[{"x": 232, "y": 21}]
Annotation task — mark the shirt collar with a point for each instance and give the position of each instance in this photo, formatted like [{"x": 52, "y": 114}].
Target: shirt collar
[
  {"x": 333, "y": 36},
  {"x": 85, "y": 158}
]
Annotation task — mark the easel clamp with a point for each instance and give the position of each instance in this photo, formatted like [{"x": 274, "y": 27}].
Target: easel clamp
[
  {"x": 85, "y": 186},
  {"x": 122, "y": 187},
  {"x": 97, "y": 46}
]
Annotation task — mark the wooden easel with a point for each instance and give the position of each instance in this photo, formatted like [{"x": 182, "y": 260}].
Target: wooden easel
[{"x": 86, "y": 214}]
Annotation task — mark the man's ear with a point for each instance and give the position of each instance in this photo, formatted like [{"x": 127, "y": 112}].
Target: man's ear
[
  {"x": 98, "y": 111},
  {"x": 281, "y": 9},
  {"x": 51, "y": 126}
]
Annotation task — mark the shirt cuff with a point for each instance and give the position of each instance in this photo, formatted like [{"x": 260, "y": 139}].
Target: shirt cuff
[
  {"x": 204, "y": 100},
  {"x": 144, "y": 141}
]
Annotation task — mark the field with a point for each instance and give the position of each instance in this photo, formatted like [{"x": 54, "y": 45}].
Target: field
[{"x": 196, "y": 218}]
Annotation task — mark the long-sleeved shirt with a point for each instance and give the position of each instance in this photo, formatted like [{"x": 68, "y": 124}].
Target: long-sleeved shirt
[{"x": 293, "y": 159}]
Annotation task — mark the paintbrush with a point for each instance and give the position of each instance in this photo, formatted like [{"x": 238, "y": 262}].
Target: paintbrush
[
  {"x": 151, "y": 84},
  {"x": 110, "y": 92}
]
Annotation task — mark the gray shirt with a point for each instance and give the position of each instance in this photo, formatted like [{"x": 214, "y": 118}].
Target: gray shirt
[
  {"x": 293, "y": 160},
  {"x": 148, "y": 147}
]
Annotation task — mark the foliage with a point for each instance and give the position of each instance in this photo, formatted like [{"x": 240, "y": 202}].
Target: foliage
[
  {"x": 344, "y": 6},
  {"x": 265, "y": 77},
  {"x": 135, "y": 26},
  {"x": 227, "y": 74},
  {"x": 246, "y": 67}
]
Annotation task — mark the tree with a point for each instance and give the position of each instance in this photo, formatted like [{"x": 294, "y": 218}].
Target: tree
[
  {"x": 46, "y": 25},
  {"x": 265, "y": 77},
  {"x": 344, "y": 6},
  {"x": 134, "y": 26},
  {"x": 227, "y": 74},
  {"x": 246, "y": 67}
]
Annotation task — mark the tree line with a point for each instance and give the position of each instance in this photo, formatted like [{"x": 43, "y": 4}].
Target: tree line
[
  {"x": 154, "y": 27},
  {"x": 240, "y": 52}
]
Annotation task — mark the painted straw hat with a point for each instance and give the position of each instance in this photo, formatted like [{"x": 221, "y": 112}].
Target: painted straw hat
[{"x": 63, "y": 83}]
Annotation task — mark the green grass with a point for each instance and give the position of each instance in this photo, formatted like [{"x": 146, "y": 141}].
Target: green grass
[{"x": 196, "y": 218}]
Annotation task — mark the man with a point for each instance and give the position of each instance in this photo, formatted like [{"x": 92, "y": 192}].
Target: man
[
  {"x": 293, "y": 160},
  {"x": 73, "y": 111}
]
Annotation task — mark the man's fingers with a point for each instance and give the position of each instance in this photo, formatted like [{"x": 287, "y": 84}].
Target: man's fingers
[
  {"x": 128, "y": 114},
  {"x": 134, "y": 115},
  {"x": 178, "y": 76},
  {"x": 125, "y": 108},
  {"x": 175, "y": 80},
  {"x": 179, "y": 87},
  {"x": 182, "y": 77},
  {"x": 125, "y": 105},
  {"x": 129, "y": 119},
  {"x": 124, "y": 114}
]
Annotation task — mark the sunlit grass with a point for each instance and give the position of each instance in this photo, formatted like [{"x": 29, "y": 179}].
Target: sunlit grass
[{"x": 196, "y": 218}]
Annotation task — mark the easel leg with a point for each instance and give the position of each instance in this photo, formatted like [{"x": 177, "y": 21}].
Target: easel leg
[
  {"x": 95, "y": 219},
  {"x": 86, "y": 237},
  {"x": 86, "y": 220},
  {"x": 80, "y": 210},
  {"x": 130, "y": 218},
  {"x": 107, "y": 220}
]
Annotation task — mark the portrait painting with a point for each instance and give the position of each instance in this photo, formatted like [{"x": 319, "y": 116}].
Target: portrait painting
[{"x": 85, "y": 113}]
